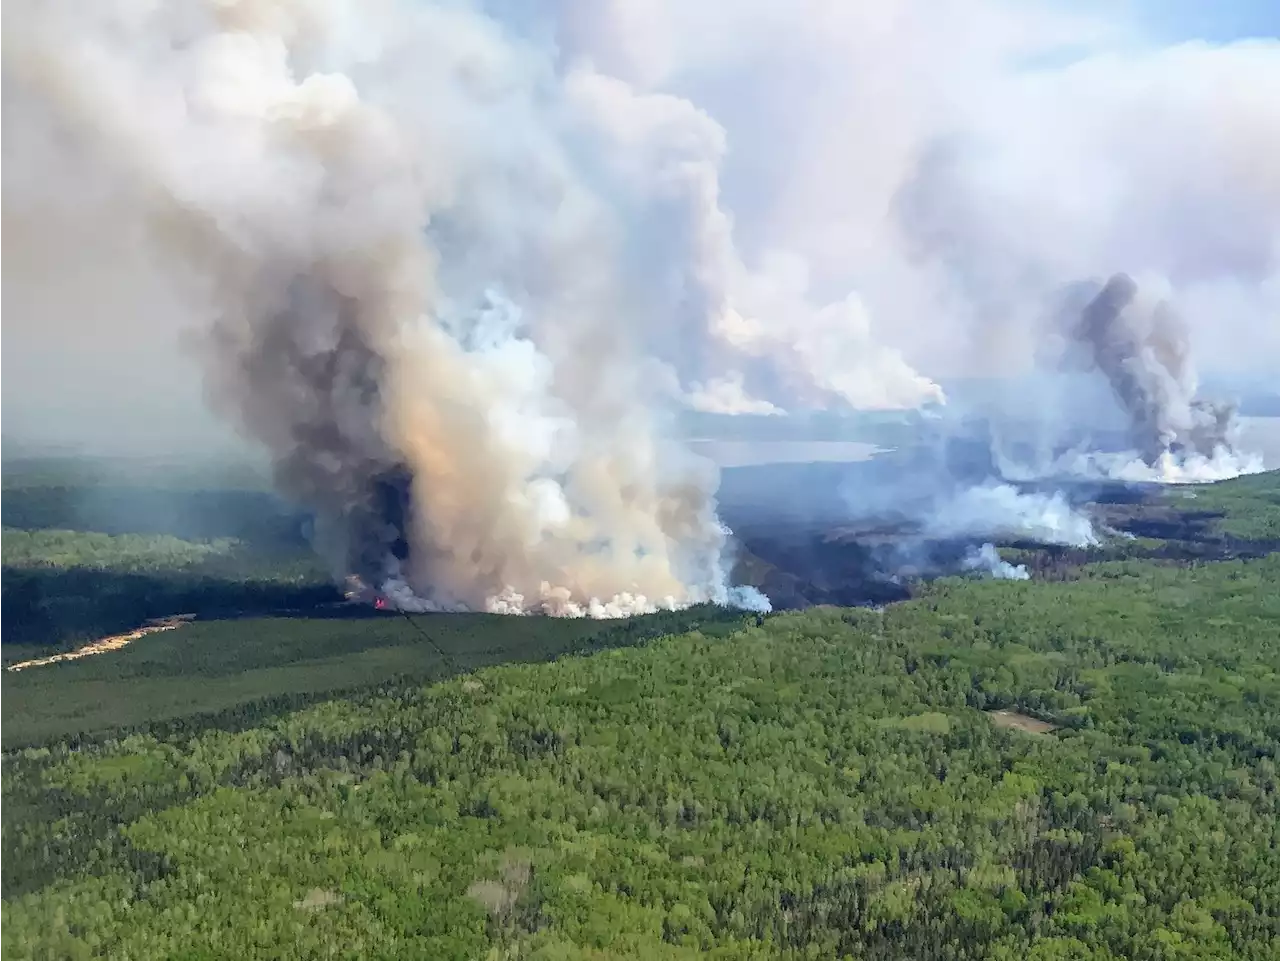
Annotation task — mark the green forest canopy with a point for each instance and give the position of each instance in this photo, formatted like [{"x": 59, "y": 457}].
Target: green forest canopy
[{"x": 826, "y": 784}]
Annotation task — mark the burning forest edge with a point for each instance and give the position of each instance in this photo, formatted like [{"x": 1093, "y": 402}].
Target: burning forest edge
[
  {"x": 1134, "y": 339},
  {"x": 799, "y": 562}
]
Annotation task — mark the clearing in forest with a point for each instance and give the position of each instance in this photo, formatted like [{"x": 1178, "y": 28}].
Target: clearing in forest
[{"x": 1022, "y": 722}]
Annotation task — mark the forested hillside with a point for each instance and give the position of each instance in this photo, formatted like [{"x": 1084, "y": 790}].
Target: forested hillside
[
  {"x": 826, "y": 784},
  {"x": 94, "y": 548}
]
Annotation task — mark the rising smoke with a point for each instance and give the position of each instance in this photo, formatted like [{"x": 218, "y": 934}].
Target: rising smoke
[
  {"x": 1131, "y": 341},
  {"x": 986, "y": 558},
  {"x": 1141, "y": 345},
  {"x": 453, "y": 264},
  {"x": 348, "y": 251},
  {"x": 955, "y": 186},
  {"x": 992, "y": 509}
]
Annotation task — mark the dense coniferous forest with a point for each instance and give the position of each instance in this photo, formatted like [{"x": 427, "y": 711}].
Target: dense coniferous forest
[{"x": 1076, "y": 768}]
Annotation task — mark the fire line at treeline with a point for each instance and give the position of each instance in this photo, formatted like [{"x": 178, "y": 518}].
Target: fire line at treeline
[{"x": 357, "y": 592}]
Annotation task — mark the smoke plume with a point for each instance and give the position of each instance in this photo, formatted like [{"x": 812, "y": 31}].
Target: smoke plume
[
  {"x": 1002, "y": 510},
  {"x": 728, "y": 396},
  {"x": 953, "y": 486},
  {"x": 405, "y": 287},
  {"x": 760, "y": 324},
  {"x": 1142, "y": 348},
  {"x": 454, "y": 264},
  {"x": 987, "y": 558},
  {"x": 856, "y": 196}
]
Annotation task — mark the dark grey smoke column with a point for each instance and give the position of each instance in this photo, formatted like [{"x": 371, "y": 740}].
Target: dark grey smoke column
[
  {"x": 1114, "y": 348},
  {"x": 1144, "y": 352},
  {"x": 309, "y": 385}
]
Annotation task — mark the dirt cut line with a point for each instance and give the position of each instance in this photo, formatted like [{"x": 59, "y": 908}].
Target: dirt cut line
[{"x": 103, "y": 645}]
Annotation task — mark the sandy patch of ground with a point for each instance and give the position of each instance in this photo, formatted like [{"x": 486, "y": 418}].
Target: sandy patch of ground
[
  {"x": 1022, "y": 722},
  {"x": 318, "y": 898},
  {"x": 113, "y": 643}
]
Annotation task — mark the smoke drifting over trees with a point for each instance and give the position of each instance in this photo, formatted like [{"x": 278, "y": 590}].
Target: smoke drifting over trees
[{"x": 453, "y": 264}]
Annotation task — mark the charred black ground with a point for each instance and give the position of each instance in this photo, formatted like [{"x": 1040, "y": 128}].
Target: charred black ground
[{"x": 800, "y": 551}]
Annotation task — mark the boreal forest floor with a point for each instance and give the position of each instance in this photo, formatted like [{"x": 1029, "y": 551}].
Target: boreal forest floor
[{"x": 824, "y": 783}]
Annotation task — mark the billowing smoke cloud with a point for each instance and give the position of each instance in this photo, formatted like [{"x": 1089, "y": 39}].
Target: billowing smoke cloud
[
  {"x": 451, "y": 263},
  {"x": 1140, "y": 344},
  {"x": 955, "y": 187},
  {"x": 953, "y": 486},
  {"x": 1118, "y": 398},
  {"x": 407, "y": 289},
  {"x": 761, "y": 324},
  {"x": 994, "y": 509},
  {"x": 727, "y": 395}
]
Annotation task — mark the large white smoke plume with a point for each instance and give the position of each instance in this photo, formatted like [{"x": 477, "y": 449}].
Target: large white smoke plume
[
  {"x": 912, "y": 184},
  {"x": 1001, "y": 510}
]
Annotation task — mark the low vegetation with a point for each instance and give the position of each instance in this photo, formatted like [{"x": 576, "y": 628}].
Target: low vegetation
[{"x": 236, "y": 672}]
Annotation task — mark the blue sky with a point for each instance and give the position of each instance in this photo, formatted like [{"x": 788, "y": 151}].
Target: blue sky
[{"x": 1212, "y": 20}]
